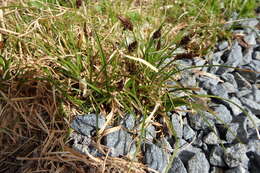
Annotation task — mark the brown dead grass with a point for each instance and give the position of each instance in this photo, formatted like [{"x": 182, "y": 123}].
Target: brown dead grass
[{"x": 34, "y": 134}]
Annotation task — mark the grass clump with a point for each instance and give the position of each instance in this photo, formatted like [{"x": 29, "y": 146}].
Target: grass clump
[{"x": 61, "y": 58}]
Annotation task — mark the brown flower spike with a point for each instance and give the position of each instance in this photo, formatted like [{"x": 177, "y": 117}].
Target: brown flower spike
[{"x": 126, "y": 23}]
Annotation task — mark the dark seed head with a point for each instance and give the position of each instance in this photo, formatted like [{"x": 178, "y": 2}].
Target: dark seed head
[
  {"x": 131, "y": 47},
  {"x": 126, "y": 23},
  {"x": 78, "y": 3},
  {"x": 157, "y": 34}
]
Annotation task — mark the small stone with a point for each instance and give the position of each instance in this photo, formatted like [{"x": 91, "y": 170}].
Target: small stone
[
  {"x": 88, "y": 124},
  {"x": 254, "y": 154},
  {"x": 188, "y": 133},
  {"x": 177, "y": 126},
  {"x": 83, "y": 144},
  {"x": 252, "y": 22},
  {"x": 208, "y": 82},
  {"x": 129, "y": 122},
  {"x": 250, "y": 39},
  {"x": 120, "y": 143},
  {"x": 216, "y": 157},
  {"x": 198, "y": 164},
  {"x": 235, "y": 109},
  {"x": 252, "y": 105},
  {"x": 252, "y": 122},
  {"x": 242, "y": 133},
  {"x": 228, "y": 77},
  {"x": 177, "y": 166},
  {"x": 188, "y": 81},
  {"x": 211, "y": 139},
  {"x": 248, "y": 55},
  {"x": 238, "y": 169},
  {"x": 223, "y": 114},
  {"x": 150, "y": 133},
  {"x": 219, "y": 90},
  {"x": 241, "y": 81},
  {"x": 198, "y": 62},
  {"x": 235, "y": 156},
  {"x": 231, "y": 134},
  {"x": 234, "y": 58},
  {"x": 188, "y": 152},
  {"x": 229, "y": 87},
  {"x": 202, "y": 120},
  {"x": 155, "y": 157},
  {"x": 256, "y": 94},
  {"x": 198, "y": 140},
  {"x": 256, "y": 55},
  {"x": 222, "y": 45},
  {"x": 243, "y": 93},
  {"x": 255, "y": 66}
]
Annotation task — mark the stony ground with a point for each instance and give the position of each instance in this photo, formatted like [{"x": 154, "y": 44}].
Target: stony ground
[{"x": 227, "y": 141}]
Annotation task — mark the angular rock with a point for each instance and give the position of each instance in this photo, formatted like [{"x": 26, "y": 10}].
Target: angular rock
[
  {"x": 248, "y": 55},
  {"x": 252, "y": 22},
  {"x": 228, "y": 77},
  {"x": 188, "y": 133},
  {"x": 120, "y": 143},
  {"x": 198, "y": 164},
  {"x": 88, "y": 124},
  {"x": 243, "y": 92},
  {"x": 256, "y": 93},
  {"x": 211, "y": 139},
  {"x": 219, "y": 90},
  {"x": 222, "y": 45},
  {"x": 254, "y": 148},
  {"x": 256, "y": 55},
  {"x": 229, "y": 87},
  {"x": 234, "y": 58},
  {"x": 188, "y": 81},
  {"x": 252, "y": 105},
  {"x": 235, "y": 109},
  {"x": 177, "y": 166},
  {"x": 231, "y": 134},
  {"x": 242, "y": 133},
  {"x": 223, "y": 114},
  {"x": 250, "y": 39},
  {"x": 208, "y": 82},
  {"x": 202, "y": 120},
  {"x": 216, "y": 157},
  {"x": 155, "y": 157},
  {"x": 188, "y": 152},
  {"x": 235, "y": 156},
  {"x": 83, "y": 144},
  {"x": 150, "y": 133},
  {"x": 241, "y": 81},
  {"x": 198, "y": 62},
  {"x": 129, "y": 122},
  {"x": 177, "y": 126}
]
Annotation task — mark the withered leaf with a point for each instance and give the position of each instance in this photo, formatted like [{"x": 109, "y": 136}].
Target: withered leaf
[
  {"x": 131, "y": 47},
  {"x": 78, "y": 3},
  {"x": 126, "y": 23}
]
